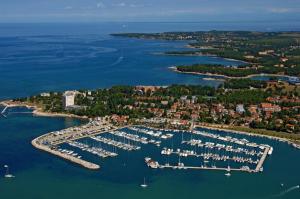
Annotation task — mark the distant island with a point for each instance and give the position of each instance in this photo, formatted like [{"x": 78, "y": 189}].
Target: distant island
[{"x": 271, "y": 53}]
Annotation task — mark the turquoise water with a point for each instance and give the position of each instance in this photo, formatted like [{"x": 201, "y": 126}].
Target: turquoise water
[{"x": 39, "y": 57}]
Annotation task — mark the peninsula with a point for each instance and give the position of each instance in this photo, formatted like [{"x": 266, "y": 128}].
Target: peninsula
[{"x": 270, "y": 53}]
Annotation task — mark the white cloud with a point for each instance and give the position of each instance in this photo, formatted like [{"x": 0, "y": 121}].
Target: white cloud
[
  {"x": 280, "y": 10},
  {"x": 121, "y": 4},
  {"x": 68, "y": 8},
  {"x": 136, "y": 5},
  {"x": 100, "y": 5}
]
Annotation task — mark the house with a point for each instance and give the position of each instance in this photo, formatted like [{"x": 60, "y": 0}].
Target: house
[
  {"x": 268, "y": 107},
  {"x": 45, "y": 94},
  {"x": 165, "y": 102}
]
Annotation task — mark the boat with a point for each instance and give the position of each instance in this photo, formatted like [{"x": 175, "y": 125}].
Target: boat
[
  {"x": 228, "y": 174},
  {"x": 151, "y": 163},
  {"x": 270, "y": 151},
  {"x": 144, "y": 185},
  {"x": 7, "y": 174}
]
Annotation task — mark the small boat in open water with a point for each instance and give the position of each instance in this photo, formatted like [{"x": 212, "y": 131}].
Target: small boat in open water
[
  {"x": 144, "y": 185},
  {"x": 7, "y": 174}
]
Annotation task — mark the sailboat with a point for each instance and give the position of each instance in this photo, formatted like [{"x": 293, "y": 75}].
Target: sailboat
[
  {"x": 7, "y": 174},
  {"x": 144, "y": 185},
  {"x": 228, "y": 174}
]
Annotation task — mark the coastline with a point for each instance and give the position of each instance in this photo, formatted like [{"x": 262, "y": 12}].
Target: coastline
[
  {"x": 199, "y": 54},
  {"x": 174, "y": 69},
  {"x": 38, "y": 111}
]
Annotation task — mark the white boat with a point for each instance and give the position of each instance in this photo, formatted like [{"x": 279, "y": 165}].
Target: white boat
[
  {"x": 144, "y": 185},
  {"x": 151, "y": 163},
  {"x": 228, "y": 174},
  {"x": 7, "y": 174}
]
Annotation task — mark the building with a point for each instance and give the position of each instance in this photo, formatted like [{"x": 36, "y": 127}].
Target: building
[
  {"x": 45, "y": 94},
  {"x": 268, "y": 107},
  {"x": 69, "y": 99},
  {"x": 240, "y": 109}
]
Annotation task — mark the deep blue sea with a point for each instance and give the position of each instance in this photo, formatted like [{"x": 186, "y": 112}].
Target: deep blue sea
[{"x": 53, "y": 57}]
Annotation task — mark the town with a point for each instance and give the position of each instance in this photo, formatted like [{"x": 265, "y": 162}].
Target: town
[{"x": 271, "y": 107}]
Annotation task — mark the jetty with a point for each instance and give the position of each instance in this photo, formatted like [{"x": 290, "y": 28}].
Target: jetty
[
  {"x": 3, "y": 111},
  {"x": 49, "y": 142},
  {"x": 205, "y": 168},
  {"x": 68, "y": 157},
  {"x": 262, "y": 159}
]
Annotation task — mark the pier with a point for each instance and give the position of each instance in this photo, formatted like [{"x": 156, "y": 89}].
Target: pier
[
  {"x": 3, "y": 111},
  {"x": 94, "y": 150},
  {"x": 262, "y": 160},
  {"x": 70, "y": 158},
  {"x": 206, "y": 168},
  {"x": 50, "y": 141},
  {"x": 114, "y": 143},
  {"x": 207, "y": 156}
]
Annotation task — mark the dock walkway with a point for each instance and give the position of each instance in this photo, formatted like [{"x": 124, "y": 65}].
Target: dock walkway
[{"x": 262, "y": 160}]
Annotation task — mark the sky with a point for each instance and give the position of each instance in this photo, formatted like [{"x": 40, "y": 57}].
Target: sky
[{"x": 148, "y": 10}]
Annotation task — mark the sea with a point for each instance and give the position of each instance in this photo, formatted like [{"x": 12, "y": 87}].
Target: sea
[{"x": 38, "y": 57}]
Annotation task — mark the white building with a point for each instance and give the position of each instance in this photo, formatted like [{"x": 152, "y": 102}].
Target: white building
[
  {"x": 69, "y": 98},
  {"x": 45, "y": 94}
]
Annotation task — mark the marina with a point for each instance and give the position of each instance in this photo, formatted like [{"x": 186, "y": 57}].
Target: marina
[
  {"x": 117, "y": 144},
  {"x": 179, "y": 149}
]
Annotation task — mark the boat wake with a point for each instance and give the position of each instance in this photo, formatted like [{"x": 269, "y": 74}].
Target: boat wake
[
  {"x": 286, "y": 191},
  {"x": 119, "y": 60}
]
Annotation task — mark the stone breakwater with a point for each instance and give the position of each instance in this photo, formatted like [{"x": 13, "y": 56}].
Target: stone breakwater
[{"x": 73, "y": 159}]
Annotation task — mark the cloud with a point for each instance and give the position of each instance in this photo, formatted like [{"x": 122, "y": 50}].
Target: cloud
[
  {"x": 100, "y": 5},
  {"x": 136, "y": 5},
  {"x": 280, "y": 10},
  {"x": 68, "y": 8},
  {"x": 121, "y": 4}
]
